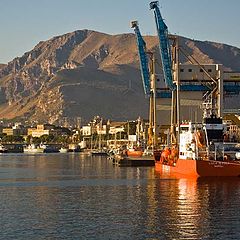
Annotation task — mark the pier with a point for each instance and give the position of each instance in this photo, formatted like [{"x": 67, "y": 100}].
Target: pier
[{"x": 124, "y": 161}]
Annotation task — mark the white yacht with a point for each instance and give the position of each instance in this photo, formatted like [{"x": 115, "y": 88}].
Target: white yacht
[{"x": 33, "y": 148}]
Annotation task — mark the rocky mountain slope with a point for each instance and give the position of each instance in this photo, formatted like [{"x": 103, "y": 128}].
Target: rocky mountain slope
[{"x": 87, "y": 73}]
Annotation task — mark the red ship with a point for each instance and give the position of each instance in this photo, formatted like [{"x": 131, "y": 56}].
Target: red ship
[{"x": 201, "y": 152}]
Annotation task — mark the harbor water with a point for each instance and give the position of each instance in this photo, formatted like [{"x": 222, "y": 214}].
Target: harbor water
[{"x": 75, "y": 196}]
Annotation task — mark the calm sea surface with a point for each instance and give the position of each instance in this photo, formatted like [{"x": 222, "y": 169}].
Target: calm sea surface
[{"x": 74, "y": 196}]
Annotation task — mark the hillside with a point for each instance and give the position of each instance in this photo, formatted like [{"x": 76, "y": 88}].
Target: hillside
[{"x": 87, "y": 73}]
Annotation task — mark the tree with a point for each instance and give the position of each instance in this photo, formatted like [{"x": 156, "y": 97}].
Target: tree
[
  {"x": 12, "y": 139},
  {"x": 46, "y": 138},
  {"x": 36, "y": 140}
]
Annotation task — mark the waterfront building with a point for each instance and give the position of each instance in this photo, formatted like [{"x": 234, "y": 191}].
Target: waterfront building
[
  {"x": 116, "y": 127},
  {"x": 86, "y": 130},
  {"x": 10, "y": 131},
  {"x": 42, "y": 129}
]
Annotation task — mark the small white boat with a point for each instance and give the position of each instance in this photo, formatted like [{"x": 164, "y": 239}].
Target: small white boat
[
  {"x": 32, "y": 148},
  {"x": 99, "y": 152},
  {"x": 3, "y": 149},
  {"x": 63, "y": 150},
  {"x": 148, "y": 152},
  {"x": 74, "y": 148}
]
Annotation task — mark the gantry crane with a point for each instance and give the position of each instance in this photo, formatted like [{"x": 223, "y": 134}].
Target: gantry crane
[
  {"x": 167, "y": 65},
  {"x": 169, "y": 52},
  {"x": 170, "y": 66},
  {"x": 142, "y": 52},
  {"x": 210, "y": 98},
  {"x": 148, "y": 78},
  {"x": 164, "y": 46}
]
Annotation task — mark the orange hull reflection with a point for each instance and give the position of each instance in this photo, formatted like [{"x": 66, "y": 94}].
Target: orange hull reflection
[{"x": 200, "y": 168}]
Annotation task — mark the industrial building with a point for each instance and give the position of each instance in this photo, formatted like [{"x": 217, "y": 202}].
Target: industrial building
[{"x": 192, "y": 86}]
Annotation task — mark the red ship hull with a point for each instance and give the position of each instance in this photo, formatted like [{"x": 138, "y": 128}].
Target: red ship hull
[
  {"x": 197, "y": 168},
  {"x": 201, "y": 168}
]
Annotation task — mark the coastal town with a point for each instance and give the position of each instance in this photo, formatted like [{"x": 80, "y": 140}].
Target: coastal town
[
  {"x": 16, "y": 136},
  {"x": 98, "y": 133}
]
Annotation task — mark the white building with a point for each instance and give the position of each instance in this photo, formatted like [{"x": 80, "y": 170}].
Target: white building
[{"x": 86, "y": 131}]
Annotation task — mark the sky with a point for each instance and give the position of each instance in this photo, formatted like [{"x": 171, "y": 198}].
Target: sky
[{"x": 24, "y": 23}]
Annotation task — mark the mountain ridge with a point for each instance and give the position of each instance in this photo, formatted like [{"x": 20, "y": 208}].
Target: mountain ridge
[{"x": 86, "y": 73}]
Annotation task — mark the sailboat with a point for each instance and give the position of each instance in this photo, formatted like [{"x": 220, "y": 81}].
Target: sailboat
[{"x": 100, "y": 151}]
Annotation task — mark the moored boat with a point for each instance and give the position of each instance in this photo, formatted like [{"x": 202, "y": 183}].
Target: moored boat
[
  {"x": 201, "y": 152},
  {"x": 32, "y": 148},
  {"x": 99, "y": 152},
  {"x": 200, "y": 168},
  {"x": 148, "y": 152},
  {"x": 3, "y": 149},
  {"x": 74, "y": 148},
  {"x": 132, "y": 152},
  {"x": 63, "y": 150},
  {"x": 12, "y": 148},
  {"x": 49, "y": 148}
]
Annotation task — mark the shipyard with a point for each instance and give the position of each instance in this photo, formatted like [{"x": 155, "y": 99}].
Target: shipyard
[{"x": 132, "y": 133}]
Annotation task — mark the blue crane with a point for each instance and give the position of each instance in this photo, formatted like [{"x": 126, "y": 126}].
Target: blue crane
[
  {"x": 143, "y": 59},
  {"x": 164, "y": 45}
]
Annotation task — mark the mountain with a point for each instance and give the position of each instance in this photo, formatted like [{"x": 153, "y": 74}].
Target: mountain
[{"x": 87, "y": 73}]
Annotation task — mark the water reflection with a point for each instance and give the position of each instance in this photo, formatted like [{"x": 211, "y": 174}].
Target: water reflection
[
  {"x": 200, "y": 208},
  {"x": 191, "y": 212},
  {"x": 78, "y": 197}
]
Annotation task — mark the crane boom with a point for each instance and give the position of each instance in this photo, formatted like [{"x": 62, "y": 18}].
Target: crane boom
[
  {"x": 145, "y": 72},
  {"x": 164, "y": 46},
  {"x": 143, "y": 58}
]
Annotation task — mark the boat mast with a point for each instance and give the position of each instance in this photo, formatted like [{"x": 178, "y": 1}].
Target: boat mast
[
  {"x": 152, "y": 112},
  {"x": 100, "y": 135},
  {"x": 177, "y": 80}
]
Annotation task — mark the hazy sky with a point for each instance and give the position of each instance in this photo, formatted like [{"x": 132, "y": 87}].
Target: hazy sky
[{"x": 26, "y": 22}]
